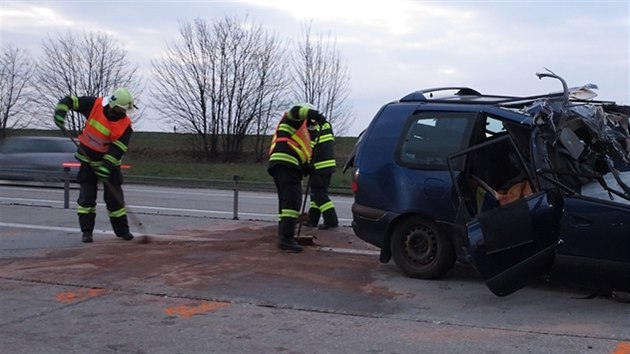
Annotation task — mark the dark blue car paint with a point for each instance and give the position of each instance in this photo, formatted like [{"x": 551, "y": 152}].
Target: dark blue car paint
[
  {"x": 596, "y": 229},
  {"x": 571, "y": 229},
  {"x": 396, "y": 189}
]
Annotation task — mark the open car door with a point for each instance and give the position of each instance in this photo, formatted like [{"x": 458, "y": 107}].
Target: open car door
[
  {"x": 510, "y": 241},
  {"x": 515, "y": 243}
]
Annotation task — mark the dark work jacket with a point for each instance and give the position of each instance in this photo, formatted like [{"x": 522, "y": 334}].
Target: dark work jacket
[{"x": 323, "y": 140}]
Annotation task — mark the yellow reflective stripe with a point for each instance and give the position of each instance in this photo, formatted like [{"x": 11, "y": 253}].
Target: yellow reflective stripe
[
  {"x": 286, "y": 128},
  {"x": 326, "y": 137},
  {"x": 86, "y": 210},
  {"x": 117, "y": 213},
  {"x": 303, "y": 158},
  {"x": 324, "y": 164},
  {"x": 289, "y": 213},
  {"x": 62, "y": 107},
  {"x": 82, "y": 158},
  {"x": 75, "y": 102},
  {"x": 313, "y": 205},
  {"x": 326, "y": 206},
  {"x": 272, "y": 147},
  {"x": 100, "y": 127},
  {"x": 112, "y": 159},
  {"x": 281, "y": 156},
  {"x": 302, "y": 150},
  {"x": 120, "y": 145}
]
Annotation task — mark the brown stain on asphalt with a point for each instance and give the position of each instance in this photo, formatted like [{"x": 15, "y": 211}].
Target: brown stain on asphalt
[
  {"x": 622, "y": 348},
  {"x": 246, "y": 256},
  {"x": 68, "y": 297},
  {"x": 185, "y": 311},
  {"x": 10, "y": 233}
]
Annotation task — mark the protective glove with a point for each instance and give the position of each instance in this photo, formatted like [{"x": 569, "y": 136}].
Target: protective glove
[
  {"x": 60, "y": 121},
  {"x": 308, "y": 169},
  {"x": 102, "y": 171},
  {"x": 315, "y": 116}
]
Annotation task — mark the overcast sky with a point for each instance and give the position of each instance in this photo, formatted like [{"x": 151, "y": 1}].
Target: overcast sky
[{"x": 391, "y": 47}]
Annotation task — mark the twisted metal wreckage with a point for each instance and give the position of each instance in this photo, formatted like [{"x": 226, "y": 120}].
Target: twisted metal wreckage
[
  {"x": 578, "y": 209},
  {"x": 582, "y": 146}
]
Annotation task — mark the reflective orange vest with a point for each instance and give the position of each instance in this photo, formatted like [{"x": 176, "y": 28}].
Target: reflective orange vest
[
  {"x": 100, "y": 132},
  {"x": 299, "y": 142}
]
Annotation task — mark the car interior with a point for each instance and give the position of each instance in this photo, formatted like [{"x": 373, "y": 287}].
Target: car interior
[{"x": 495, "y": 173}]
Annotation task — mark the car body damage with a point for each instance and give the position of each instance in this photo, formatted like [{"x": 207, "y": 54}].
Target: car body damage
[
  {"x": 567, "y": 194},
  {"x": 518, "y": 187}
]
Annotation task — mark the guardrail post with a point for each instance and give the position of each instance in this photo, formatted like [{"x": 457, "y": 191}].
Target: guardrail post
[
  {"x": 236, "y": 179},
  {"x": 66, "y": 188}
]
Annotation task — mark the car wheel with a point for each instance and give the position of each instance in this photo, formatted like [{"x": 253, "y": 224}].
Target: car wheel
[{"x": 420, "y": 250}]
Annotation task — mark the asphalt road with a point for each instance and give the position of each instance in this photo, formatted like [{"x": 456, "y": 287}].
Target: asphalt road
[{"x": 207, "y": 283}]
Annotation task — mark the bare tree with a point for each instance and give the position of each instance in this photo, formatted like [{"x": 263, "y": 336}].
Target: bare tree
[
  {"x": 218, "y": 81},
  {"x": 92, "y": 64},
  {"x": 182, "y": 84},
  {"x": 252, "y": 79},
  {"x": 16, "y": 90},
  {"x": 321, "y": 77}
]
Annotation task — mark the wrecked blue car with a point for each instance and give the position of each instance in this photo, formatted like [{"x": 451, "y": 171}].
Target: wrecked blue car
[{"x": 517, "y": 187}]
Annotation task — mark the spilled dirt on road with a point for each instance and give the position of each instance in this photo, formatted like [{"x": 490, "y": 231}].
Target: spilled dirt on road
[{"x": 238, "y": 259}]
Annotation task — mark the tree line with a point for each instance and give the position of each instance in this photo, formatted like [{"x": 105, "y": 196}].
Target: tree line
[{"x": 218, "y": 81}]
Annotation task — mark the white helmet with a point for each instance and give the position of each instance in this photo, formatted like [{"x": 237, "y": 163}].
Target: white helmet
[{"x": 120, "y": 98}]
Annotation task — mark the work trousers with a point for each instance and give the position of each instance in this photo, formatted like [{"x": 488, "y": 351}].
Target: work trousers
[
  {"x": 288, "y": 182},
  {"x": 320, "y": 201},
  {"x": 112, "y": 194}
]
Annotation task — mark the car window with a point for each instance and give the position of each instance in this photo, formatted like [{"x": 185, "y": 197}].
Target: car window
[
  {"x": 63, "y": 146},
  {"x": 26, "y": 145},
  {"x": 494, "y": 126},
  {"x": 431, "y": 137}
]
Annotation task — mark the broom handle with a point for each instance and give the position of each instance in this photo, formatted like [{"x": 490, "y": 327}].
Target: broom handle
[
  {"x": 114, "y": 193},
  {"x": 308, "y": 185}
]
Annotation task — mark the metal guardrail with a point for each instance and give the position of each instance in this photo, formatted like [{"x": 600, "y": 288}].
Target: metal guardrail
[
  {"x": 227, "y": 184},
  {"x": 236, "y": 184}
]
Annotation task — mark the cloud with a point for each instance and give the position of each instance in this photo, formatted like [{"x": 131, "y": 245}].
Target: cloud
[
  {"x": 28, "y": 17},
  {"x": 391, "y": 47},
  {"x": 394, "y": 17}
]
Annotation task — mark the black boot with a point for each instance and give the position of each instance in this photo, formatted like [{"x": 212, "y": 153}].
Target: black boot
[
  {"x": 121, "y": 227},
  {"x": 86, "y": 237},
  {"x": 288, "y": 243},
  {"x": 127, "y": 237},
  {"x": 330, "y": 220}
]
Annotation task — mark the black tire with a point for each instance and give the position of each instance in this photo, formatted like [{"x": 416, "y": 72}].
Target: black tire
[{"x": 420, "y": 250}]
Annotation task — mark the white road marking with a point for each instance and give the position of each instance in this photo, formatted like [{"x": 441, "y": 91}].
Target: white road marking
[
  {"x": 49, "y": 228},
  {"x": 173, "y": 210},
  {"x": 103, "y": 232},
  {"x": 173, "y": 237}
]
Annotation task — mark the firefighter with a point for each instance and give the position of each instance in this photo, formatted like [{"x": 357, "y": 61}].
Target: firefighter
[
  {"x": 102, "y": 144},
  {"x": 289, "y": 161},
  {"x": 322, "y": 141}
]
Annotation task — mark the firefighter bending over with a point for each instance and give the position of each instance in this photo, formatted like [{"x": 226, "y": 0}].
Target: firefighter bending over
[{"x": 289, "y": 161}]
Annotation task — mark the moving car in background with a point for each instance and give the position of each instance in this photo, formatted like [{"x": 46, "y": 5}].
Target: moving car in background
[
  {"x": 37, "y": 158},
  {"x": 518, "y": 187}
]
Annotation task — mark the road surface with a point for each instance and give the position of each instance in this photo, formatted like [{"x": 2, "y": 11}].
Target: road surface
[{"x": 207, "y": 283}]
